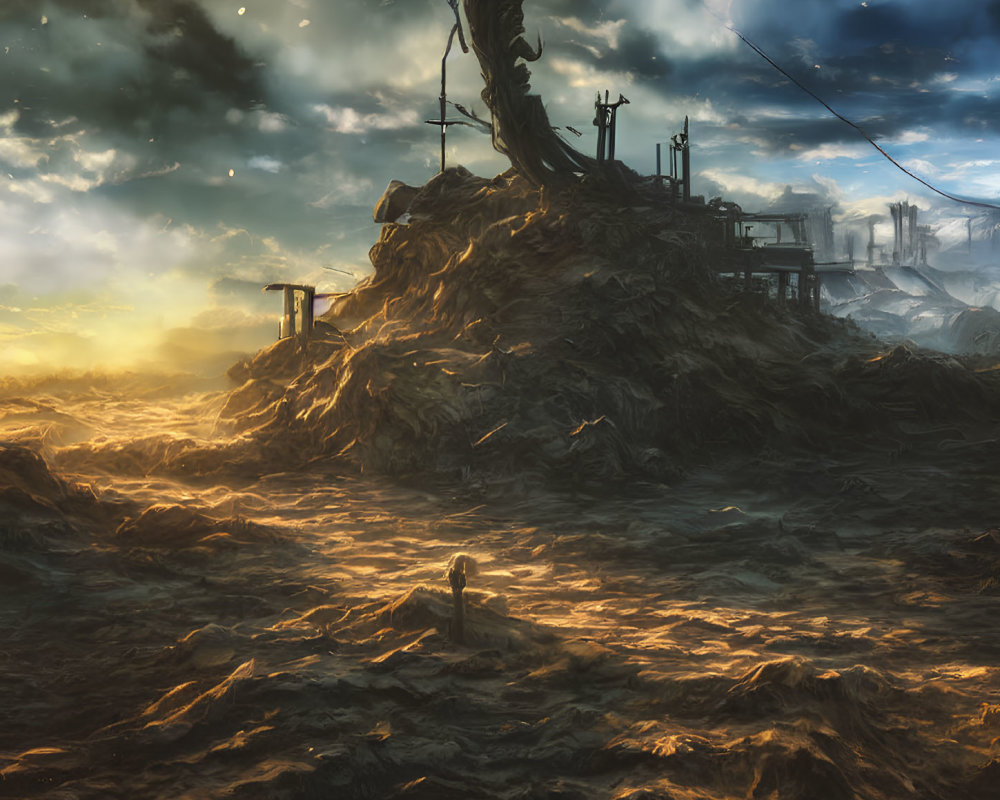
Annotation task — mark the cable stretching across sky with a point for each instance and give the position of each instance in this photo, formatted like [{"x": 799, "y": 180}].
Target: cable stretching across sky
[{"x": 842, "y": 118}]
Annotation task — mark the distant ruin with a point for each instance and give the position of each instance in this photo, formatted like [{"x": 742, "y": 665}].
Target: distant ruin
[{"x": 297, "y": 310}]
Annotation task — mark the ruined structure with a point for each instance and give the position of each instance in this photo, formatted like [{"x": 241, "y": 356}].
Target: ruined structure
[
  {"x": 904, "y": 223},
  {"x": 606, "y": 120},
  {"x": 297, "y": 311}
]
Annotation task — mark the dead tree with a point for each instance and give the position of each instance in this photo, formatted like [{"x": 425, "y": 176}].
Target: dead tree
[{"x": 521, "y": 128}]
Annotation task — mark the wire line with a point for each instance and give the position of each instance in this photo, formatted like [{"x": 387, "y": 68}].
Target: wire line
[{"x": 844, "y": 119}]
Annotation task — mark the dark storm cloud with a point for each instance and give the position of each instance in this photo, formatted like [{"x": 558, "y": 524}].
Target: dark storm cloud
[
  {"x": 638, "y": 52},
  {"x": 863, "y": 70},
  {"x": 849, "y": 28},
  {"x": 185, "y": 39},
  {"x": 886, "y": 67},
  {"x": 896, "y": 22},
  {"x": 121, "y": 66}
]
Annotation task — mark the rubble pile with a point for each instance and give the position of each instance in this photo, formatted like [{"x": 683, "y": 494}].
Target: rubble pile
[{"x": 582, "y": 334}]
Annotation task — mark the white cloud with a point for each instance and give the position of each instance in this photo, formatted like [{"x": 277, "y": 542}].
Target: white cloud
[
  {"x": 831, "y": 150},
  {"x": 921, "y": 167},
  {"x": 859, "y": 209},
  {"x": 265, "y": 164},
  {"x": 807, "y": 51},
  {"x": 609, "y": 31},
  {"x": 347, "y": 120},
  {"x": 96, "y": 161},
  {"x": 909, "y": 137},
  {"x": 33, "y": 189},
  {"x": 269, "y": 122},
  {"x": 9, "y": 119},
  {"x": 349, "y": 189},
  {"x": 738, "y": 184},
  {"x": 19, "y": 152},
  {"x": 830, "y": 187},
  {"x": 580, "y": 75}
]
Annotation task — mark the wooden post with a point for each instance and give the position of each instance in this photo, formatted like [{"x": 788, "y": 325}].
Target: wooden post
[
  {"x": 782, "y": 287},
  {"x": 686, "y": 163},
  {"x": 462, "y": 566},
  {"x": 601, "y": 121},
  {"x": 288, "y": 318},
  {"x": 457, "y": 579},
  {"x": 658, "y": 165},
  {"x": 611, "y": 132},
  {"x": 308, "y": 296}
]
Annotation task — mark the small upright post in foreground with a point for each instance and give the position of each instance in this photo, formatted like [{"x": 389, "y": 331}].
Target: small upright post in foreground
[{"x": 461, "y": 567}]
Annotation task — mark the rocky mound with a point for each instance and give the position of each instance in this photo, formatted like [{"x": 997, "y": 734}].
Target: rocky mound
[{"x": 586, "y": 334}]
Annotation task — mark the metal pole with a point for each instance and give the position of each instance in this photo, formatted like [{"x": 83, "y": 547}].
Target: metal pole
[
  {"x": 444, "y": 131},
  {"x": 611, "y": 134},
  {"x": 686, "y": 159},
  {"x": 444, "y": 93}
]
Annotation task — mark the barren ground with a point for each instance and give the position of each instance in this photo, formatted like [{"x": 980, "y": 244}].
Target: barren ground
[{"x": 761, "y": 627}]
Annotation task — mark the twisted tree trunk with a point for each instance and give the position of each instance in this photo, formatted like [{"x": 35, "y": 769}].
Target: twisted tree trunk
[{"x": 521, "y": 128}]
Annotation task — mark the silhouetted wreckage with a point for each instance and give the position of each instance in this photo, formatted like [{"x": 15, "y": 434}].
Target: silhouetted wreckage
[
  {"x": 521, "y": 127},
  {"x": 606, "y": 120}
]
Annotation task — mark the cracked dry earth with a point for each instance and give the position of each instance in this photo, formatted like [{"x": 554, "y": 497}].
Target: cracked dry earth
[{"x": 772, "y": 628}]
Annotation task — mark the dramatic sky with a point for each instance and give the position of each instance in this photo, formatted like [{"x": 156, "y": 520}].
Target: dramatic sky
[{"x": 162, "y": 159}]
